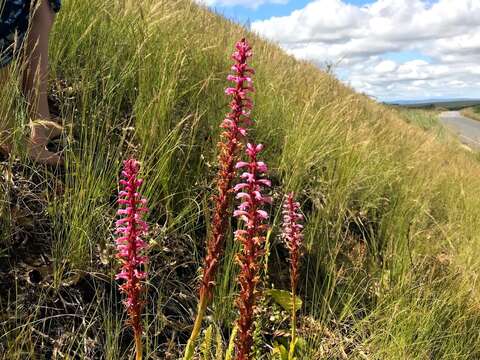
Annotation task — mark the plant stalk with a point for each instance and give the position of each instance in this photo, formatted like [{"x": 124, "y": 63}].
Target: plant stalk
[
  {"x": 197, "y": 326},
  {"x": 291, "y": 352},
  {"x": 138, "y": 346}
]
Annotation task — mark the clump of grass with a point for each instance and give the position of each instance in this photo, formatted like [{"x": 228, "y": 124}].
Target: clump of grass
[{"x": 425, "y": 119}]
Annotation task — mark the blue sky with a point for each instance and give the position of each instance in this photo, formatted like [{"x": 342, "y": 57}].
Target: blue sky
[
  {"x": 390, "y": 50},
  {"x": 246, "y": 15},
  {"x": 243, "y": 14}
]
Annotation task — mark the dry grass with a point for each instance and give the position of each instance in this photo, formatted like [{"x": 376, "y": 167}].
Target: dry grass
[{"x": 472, "y": 113}]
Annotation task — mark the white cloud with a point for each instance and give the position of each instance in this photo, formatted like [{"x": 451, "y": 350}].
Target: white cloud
[
  {"x": 439, "y": 42},
  {"x": 253, "y": 4},
  {"x": 385, "y": 66}
]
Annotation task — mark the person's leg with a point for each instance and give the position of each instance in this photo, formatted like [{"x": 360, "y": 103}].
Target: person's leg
[
  {"x": 35, "y": 84},
  {"x": 35, "y": 77}
]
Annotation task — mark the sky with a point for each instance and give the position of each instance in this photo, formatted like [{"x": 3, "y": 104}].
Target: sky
[{"x": 388, "y": 49}]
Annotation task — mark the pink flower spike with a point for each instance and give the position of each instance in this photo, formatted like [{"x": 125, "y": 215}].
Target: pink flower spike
[
  {"x": 262, "y": 214},
  {"x": 238, "y": 213},
  {"x": 241, "y": 164},
  {"x": 241, "y": 232},
  {"x": 247, "y": 176},
  {"x": 122, "y": 275},
  {"x": 242, "y": 195},
  {"x": 239, "y": 187},
  {"x": 130, "y": 245},
  {"x": 121, "y": 221},
  {"x": 252, "y": 239},
  {"x": 258, "y": 195},
  {"x": 264, "y": 182},
  {"x": 293, "y": 238},
  {"x": 244, "y": 206},
  {"x": 262, "y": 167},
  {"x": 267, "y": 199}
]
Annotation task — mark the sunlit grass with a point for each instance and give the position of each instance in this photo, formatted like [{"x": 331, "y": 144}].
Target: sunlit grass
[{"x": 472, "y": 113}]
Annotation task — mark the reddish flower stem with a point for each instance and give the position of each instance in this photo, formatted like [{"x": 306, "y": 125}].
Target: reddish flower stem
[{"x": 234, "y": 126}]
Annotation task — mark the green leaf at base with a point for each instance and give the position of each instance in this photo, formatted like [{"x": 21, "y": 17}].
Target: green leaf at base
[{"x": 284, "y": 299}]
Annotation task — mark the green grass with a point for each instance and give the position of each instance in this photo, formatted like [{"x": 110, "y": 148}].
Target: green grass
[
  {"x": 472, "y": 113},
  {"x": 427, "y": 120},
  {"x": 393, "y": 214}
]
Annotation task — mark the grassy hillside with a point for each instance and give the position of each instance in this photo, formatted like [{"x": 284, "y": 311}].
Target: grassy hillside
[
  {"x": 392, "y": 214},
  {"x": 472, "y": 113}
]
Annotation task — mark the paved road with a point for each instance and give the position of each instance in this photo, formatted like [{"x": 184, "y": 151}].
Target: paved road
[{"x": 468, "y": 130}]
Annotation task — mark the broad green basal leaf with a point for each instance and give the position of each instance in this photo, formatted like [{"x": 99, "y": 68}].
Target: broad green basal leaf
[{"x": 284, "y": 299}]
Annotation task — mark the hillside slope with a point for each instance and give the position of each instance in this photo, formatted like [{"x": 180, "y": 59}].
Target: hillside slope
[{"x": 392, "y": 214}]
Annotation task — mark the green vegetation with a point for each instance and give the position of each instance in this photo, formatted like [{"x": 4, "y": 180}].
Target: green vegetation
[
  {"x": 442, "y": 105},
  {"x": 472, "y": 113},
  {"x": 392, "y": 214},
  {"x": 425, "y": 119}
]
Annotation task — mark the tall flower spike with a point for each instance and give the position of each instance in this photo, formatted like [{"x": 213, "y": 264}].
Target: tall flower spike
[
  {"x": 130, "y": 247},
  {"x": 293, "y": 237},
  {"x": 234, "y": 128},
  {"x": 252, "y": 239}
]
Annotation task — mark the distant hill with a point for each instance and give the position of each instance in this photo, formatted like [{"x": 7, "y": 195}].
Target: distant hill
[{"x": 451, "y": 104}]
